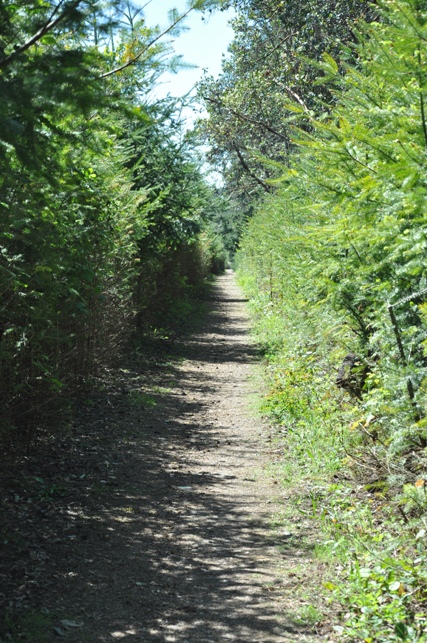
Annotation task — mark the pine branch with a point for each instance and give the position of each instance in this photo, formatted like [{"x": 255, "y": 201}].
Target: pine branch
[
  {"x": 422, "y": 107},
  {"x": 48, "y": 26},
  {"x": 135, "y": 59}
]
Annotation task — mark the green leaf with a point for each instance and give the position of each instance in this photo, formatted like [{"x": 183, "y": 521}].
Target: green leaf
[
  {"x": 329, "y": 586},
  {"x": 48, "y": 39},
  {"x": 401, "y": 631},
  {"x": 330, "y": 62}
]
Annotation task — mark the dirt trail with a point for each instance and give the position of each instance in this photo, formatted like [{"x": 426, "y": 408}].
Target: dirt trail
[{"x": 168, "y": 538}]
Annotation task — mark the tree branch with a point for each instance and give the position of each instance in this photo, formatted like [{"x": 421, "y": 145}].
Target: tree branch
[
  {"x": 246, "y": 167},
  {"x": 135, "y": 59},
  {"x": 248, "y": 119},
  {"x": 38, "y": 35}
]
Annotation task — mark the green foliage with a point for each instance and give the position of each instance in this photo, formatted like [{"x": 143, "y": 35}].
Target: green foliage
[
  {"x": 102, "y": 201},
  {"x": 334, "y": 261},
  {"x": 381, "y": 563},
  {"x": 345, "y": 232},
  {"x": 267, "y": 68},
  {"x": 299, "y": 398}
]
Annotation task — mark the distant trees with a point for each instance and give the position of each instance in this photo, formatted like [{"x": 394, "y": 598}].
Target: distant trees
[{"x": 267, "y": 70}]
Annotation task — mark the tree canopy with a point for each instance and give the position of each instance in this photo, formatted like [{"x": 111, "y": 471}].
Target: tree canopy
[{"x": 270, "y": 65}]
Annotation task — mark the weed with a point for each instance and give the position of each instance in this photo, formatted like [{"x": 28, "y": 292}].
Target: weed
[
  {"x": 140, "y": 399},
  {"x": 34, "y": 626},
  {"x": 46, "y": 490},
  {"x": 308, "y": 615}
]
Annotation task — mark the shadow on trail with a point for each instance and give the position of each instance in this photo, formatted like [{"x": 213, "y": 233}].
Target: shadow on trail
[{"x": 146, "y": 545}]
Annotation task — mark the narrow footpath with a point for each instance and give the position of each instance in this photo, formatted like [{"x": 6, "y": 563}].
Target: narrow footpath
[{"x": 163, "y": 531}]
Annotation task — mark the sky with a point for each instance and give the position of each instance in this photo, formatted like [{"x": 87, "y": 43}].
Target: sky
[{"x": 203, "y": 44}]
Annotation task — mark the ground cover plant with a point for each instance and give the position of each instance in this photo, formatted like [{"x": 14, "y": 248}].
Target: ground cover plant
[{"x": 333, "y": 261}]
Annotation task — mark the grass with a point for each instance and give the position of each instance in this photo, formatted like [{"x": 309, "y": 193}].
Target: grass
[
  {"x": 308, "y": 615},
  {"x": 143, "y": 400}
]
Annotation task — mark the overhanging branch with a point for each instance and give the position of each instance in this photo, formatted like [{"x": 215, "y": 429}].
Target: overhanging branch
[
  {"x": 246, "y": 167},
  {"x": 248, "y": 119},
  {"x": 135, "y": 59},
  {"x": 39, "y": 34}
]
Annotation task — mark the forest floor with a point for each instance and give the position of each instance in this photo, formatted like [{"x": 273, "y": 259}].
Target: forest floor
[{"x": 155, "y": 517}]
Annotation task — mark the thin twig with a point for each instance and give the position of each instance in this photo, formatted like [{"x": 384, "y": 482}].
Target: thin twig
[
  {"x": 248, "y": 119},
  {"x": 134, "y": 60}
]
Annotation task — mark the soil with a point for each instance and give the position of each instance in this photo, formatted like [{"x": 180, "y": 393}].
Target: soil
[{"x": 153, "y": 519}]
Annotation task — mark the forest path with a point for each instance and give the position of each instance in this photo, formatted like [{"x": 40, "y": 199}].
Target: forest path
[{"x": 164, "y": 530}]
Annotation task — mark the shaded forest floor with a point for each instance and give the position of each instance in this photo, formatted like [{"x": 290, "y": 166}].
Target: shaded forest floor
[{"x": 154, "y": 518}]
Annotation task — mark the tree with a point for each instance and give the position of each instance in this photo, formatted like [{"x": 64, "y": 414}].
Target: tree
[
  {"x": 268, "y": 68},
  {"x": 94, "y": 187},
  {"x": 347, "y": 229}
]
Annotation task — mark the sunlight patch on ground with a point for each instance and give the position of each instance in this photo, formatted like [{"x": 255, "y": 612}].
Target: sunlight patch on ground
[{"x": 118, "y": 634}]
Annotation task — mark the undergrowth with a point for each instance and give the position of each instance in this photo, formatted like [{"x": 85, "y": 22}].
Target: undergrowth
[{"x": 374, "y": 528}]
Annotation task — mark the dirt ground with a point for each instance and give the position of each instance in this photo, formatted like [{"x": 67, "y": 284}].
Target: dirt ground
[{"x": 153, "y": 520}]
